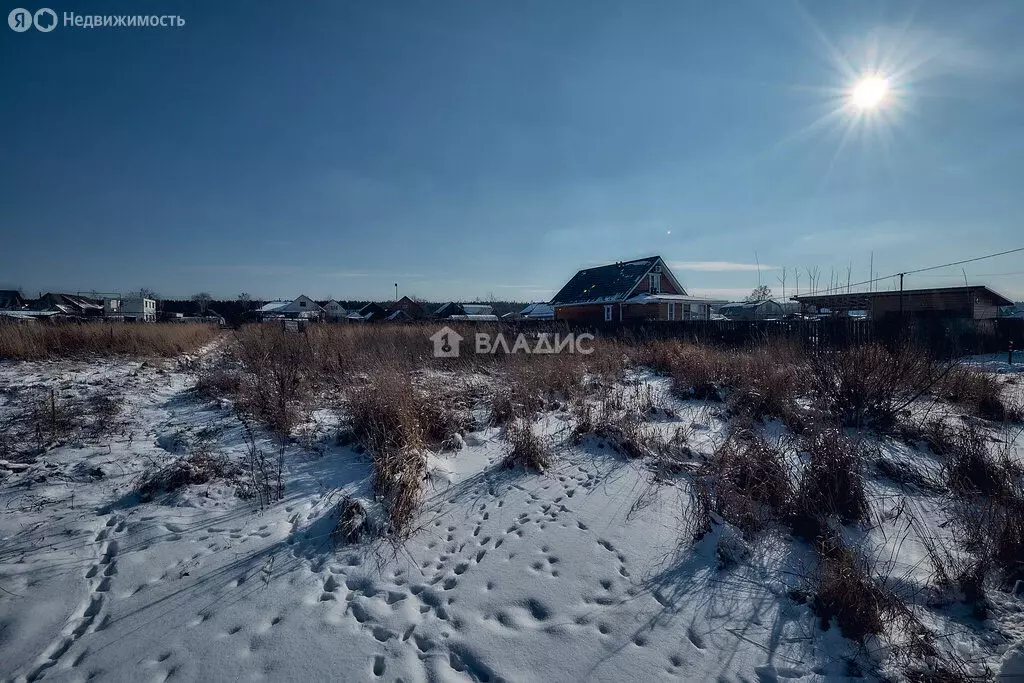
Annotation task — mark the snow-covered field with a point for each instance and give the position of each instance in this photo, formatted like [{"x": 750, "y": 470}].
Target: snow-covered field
[{"x": 582, "y": 573}]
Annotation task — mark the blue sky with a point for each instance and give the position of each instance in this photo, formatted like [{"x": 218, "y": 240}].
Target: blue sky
[{"x": 468, "y": 149}]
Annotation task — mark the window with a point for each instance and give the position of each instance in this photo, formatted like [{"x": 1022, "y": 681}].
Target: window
[
  {"x": 654, "y": 283},
  {"x": 607, "y": 312},
  {"x": 671, "y": 311},
  {"x": 302, "y": 304},
  {"x": 686, "y": 310}
]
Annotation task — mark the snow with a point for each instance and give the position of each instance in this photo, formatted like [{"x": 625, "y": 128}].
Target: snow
[{"x": 510, "y": 575}]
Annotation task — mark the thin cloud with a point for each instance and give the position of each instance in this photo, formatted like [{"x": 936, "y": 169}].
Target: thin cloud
[{"x": 719, "y": 266}]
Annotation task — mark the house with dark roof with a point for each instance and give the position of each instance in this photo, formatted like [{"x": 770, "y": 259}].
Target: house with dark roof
[
  {"x": 643, "y": 289},
  {"x": 452, "y": 309},
  {"x": 11, "y": 300},
  {"x": 70, "y": 304},
  {"x": 412, "y": 309},
  {"x": 371, "y": 312}
]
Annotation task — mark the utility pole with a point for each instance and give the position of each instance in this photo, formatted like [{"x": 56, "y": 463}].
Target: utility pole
[{"x": 396, "y": 291}]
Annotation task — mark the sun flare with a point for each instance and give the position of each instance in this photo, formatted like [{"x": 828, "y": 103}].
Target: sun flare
[{"x": 870, "y": 92}]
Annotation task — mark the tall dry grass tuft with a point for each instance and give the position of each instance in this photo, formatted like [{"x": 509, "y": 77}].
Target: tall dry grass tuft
[
  {"x": 868, "y": 385},
  {"x": 747, "y": 482},
  {"x": 396, "y": 420},
  {"x": 41, "y": 341},
  {"x": 980, "y": 392},
  {"x": 831, "y": 484},
  {"x": 279, "y": 372},
  {"x": 525, "y": 448}
]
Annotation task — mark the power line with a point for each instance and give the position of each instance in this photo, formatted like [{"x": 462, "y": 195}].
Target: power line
[{"x": 922, "y": 270}]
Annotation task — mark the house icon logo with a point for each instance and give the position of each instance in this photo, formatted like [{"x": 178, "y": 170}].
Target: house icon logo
[{"x": 446, "y": 343}]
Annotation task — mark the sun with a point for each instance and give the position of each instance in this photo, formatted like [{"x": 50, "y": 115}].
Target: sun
[{"x": 870, "y": 92}]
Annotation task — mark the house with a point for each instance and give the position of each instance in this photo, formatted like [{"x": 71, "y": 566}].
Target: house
[
  {"x": 399, "y": 316},
  {"x": 70, "y": 304},
  {"x": 11, "y": 300},
  {"x": 752, "y": 310},
  {"x": 413, "y": 309},
  {"x": 138, "y": 309},
  {"x": 271, "y": 310},
  {"x": 334, "y": 311},
  {"x": 976, "y": 302},
  {"x": 452, "y": 309},
  {"x": 302, "y": 307},
  {"x": 643, "y": 289},
  {"x": 371, "y": 312}
]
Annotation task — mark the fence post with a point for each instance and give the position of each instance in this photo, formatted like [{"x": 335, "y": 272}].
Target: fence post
[{"x": 1009, "y": 358}]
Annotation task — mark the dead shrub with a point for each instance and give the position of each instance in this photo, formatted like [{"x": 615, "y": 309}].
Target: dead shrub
[
  {"x": 699, "y": 373},
  {"x": 831, "y": 484},
  {"x": 747, "y": 482},
  {"x": 391, "y": 418},
  {"x": 525, "y": 448},
  {"x": 970, "y": 465},
  {"x": 867, "y": 385},
  {"x": 980, "y": 392},
  {"x": 278, "y": 365},
  {"x": 196, "y": 468},
  {"x": 354, "y": 524},
  {"x": 844, "y": 589},
  {"x": 620, "y": 425}
]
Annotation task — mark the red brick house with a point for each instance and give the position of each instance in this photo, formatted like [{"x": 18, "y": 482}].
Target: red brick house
[{"x": 644, "y": 289}]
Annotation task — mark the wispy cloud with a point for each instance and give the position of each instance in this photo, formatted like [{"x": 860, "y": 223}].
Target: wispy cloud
[{"x": 718, "y": 266}]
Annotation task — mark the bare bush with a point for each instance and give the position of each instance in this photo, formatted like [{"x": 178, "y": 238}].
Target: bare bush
[
  {"x": 747, "y": 482},
  {"x": 279, "y": 369},
  {"x": 867, "y": 386},
  {"x": 59, "y": 340},
  {"x": 971, "y": 465},
  {"x": 844, "y": 589},
  {"x": 354, "y": 523},
  {"x": 980, "y": 392},
  {"x": 196, "y": 468},
  {"x": 525, "y": 448},
  {"x": 831, "y": 484}
]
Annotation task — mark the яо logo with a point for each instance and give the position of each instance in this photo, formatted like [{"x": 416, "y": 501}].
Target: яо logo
[{"x": 21, "y": 20}]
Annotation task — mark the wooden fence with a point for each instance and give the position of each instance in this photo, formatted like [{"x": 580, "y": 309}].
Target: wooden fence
[{"x": 943, "y": 337}]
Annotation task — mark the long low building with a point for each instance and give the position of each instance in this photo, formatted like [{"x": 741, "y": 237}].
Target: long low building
[{"x": 977, "y": 302}]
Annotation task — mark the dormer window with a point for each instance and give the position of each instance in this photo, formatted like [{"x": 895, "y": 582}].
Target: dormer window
[{"x": 654, "y": 283}]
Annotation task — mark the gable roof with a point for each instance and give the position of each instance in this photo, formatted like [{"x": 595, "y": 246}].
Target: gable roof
[
  {"x": 609, "y": 284},
  {"x": 11, "y": 298},
  {"x": 272, "y": 306}
]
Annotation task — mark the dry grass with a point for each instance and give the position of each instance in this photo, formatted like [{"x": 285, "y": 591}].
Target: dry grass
[
  {"x": 831, "y": 484},
  {"x": 197, "y": 468},
  {"x": 868, "y": 386},
  {"x": 396, "y": 420},
  {"x": 59, "y": 340},
  {"x": 525, "y": 448},
  {"x": 845, "y": 590},
  {"x": 747, "y": 482},
  {"x": 979, "y": 392}
]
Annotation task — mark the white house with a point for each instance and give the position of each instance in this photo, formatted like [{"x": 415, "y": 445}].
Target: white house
[
  {"x": 302, "y": 307},
  {"x": 139, "y": 309},
  {"x": 334, "y": 311}
]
